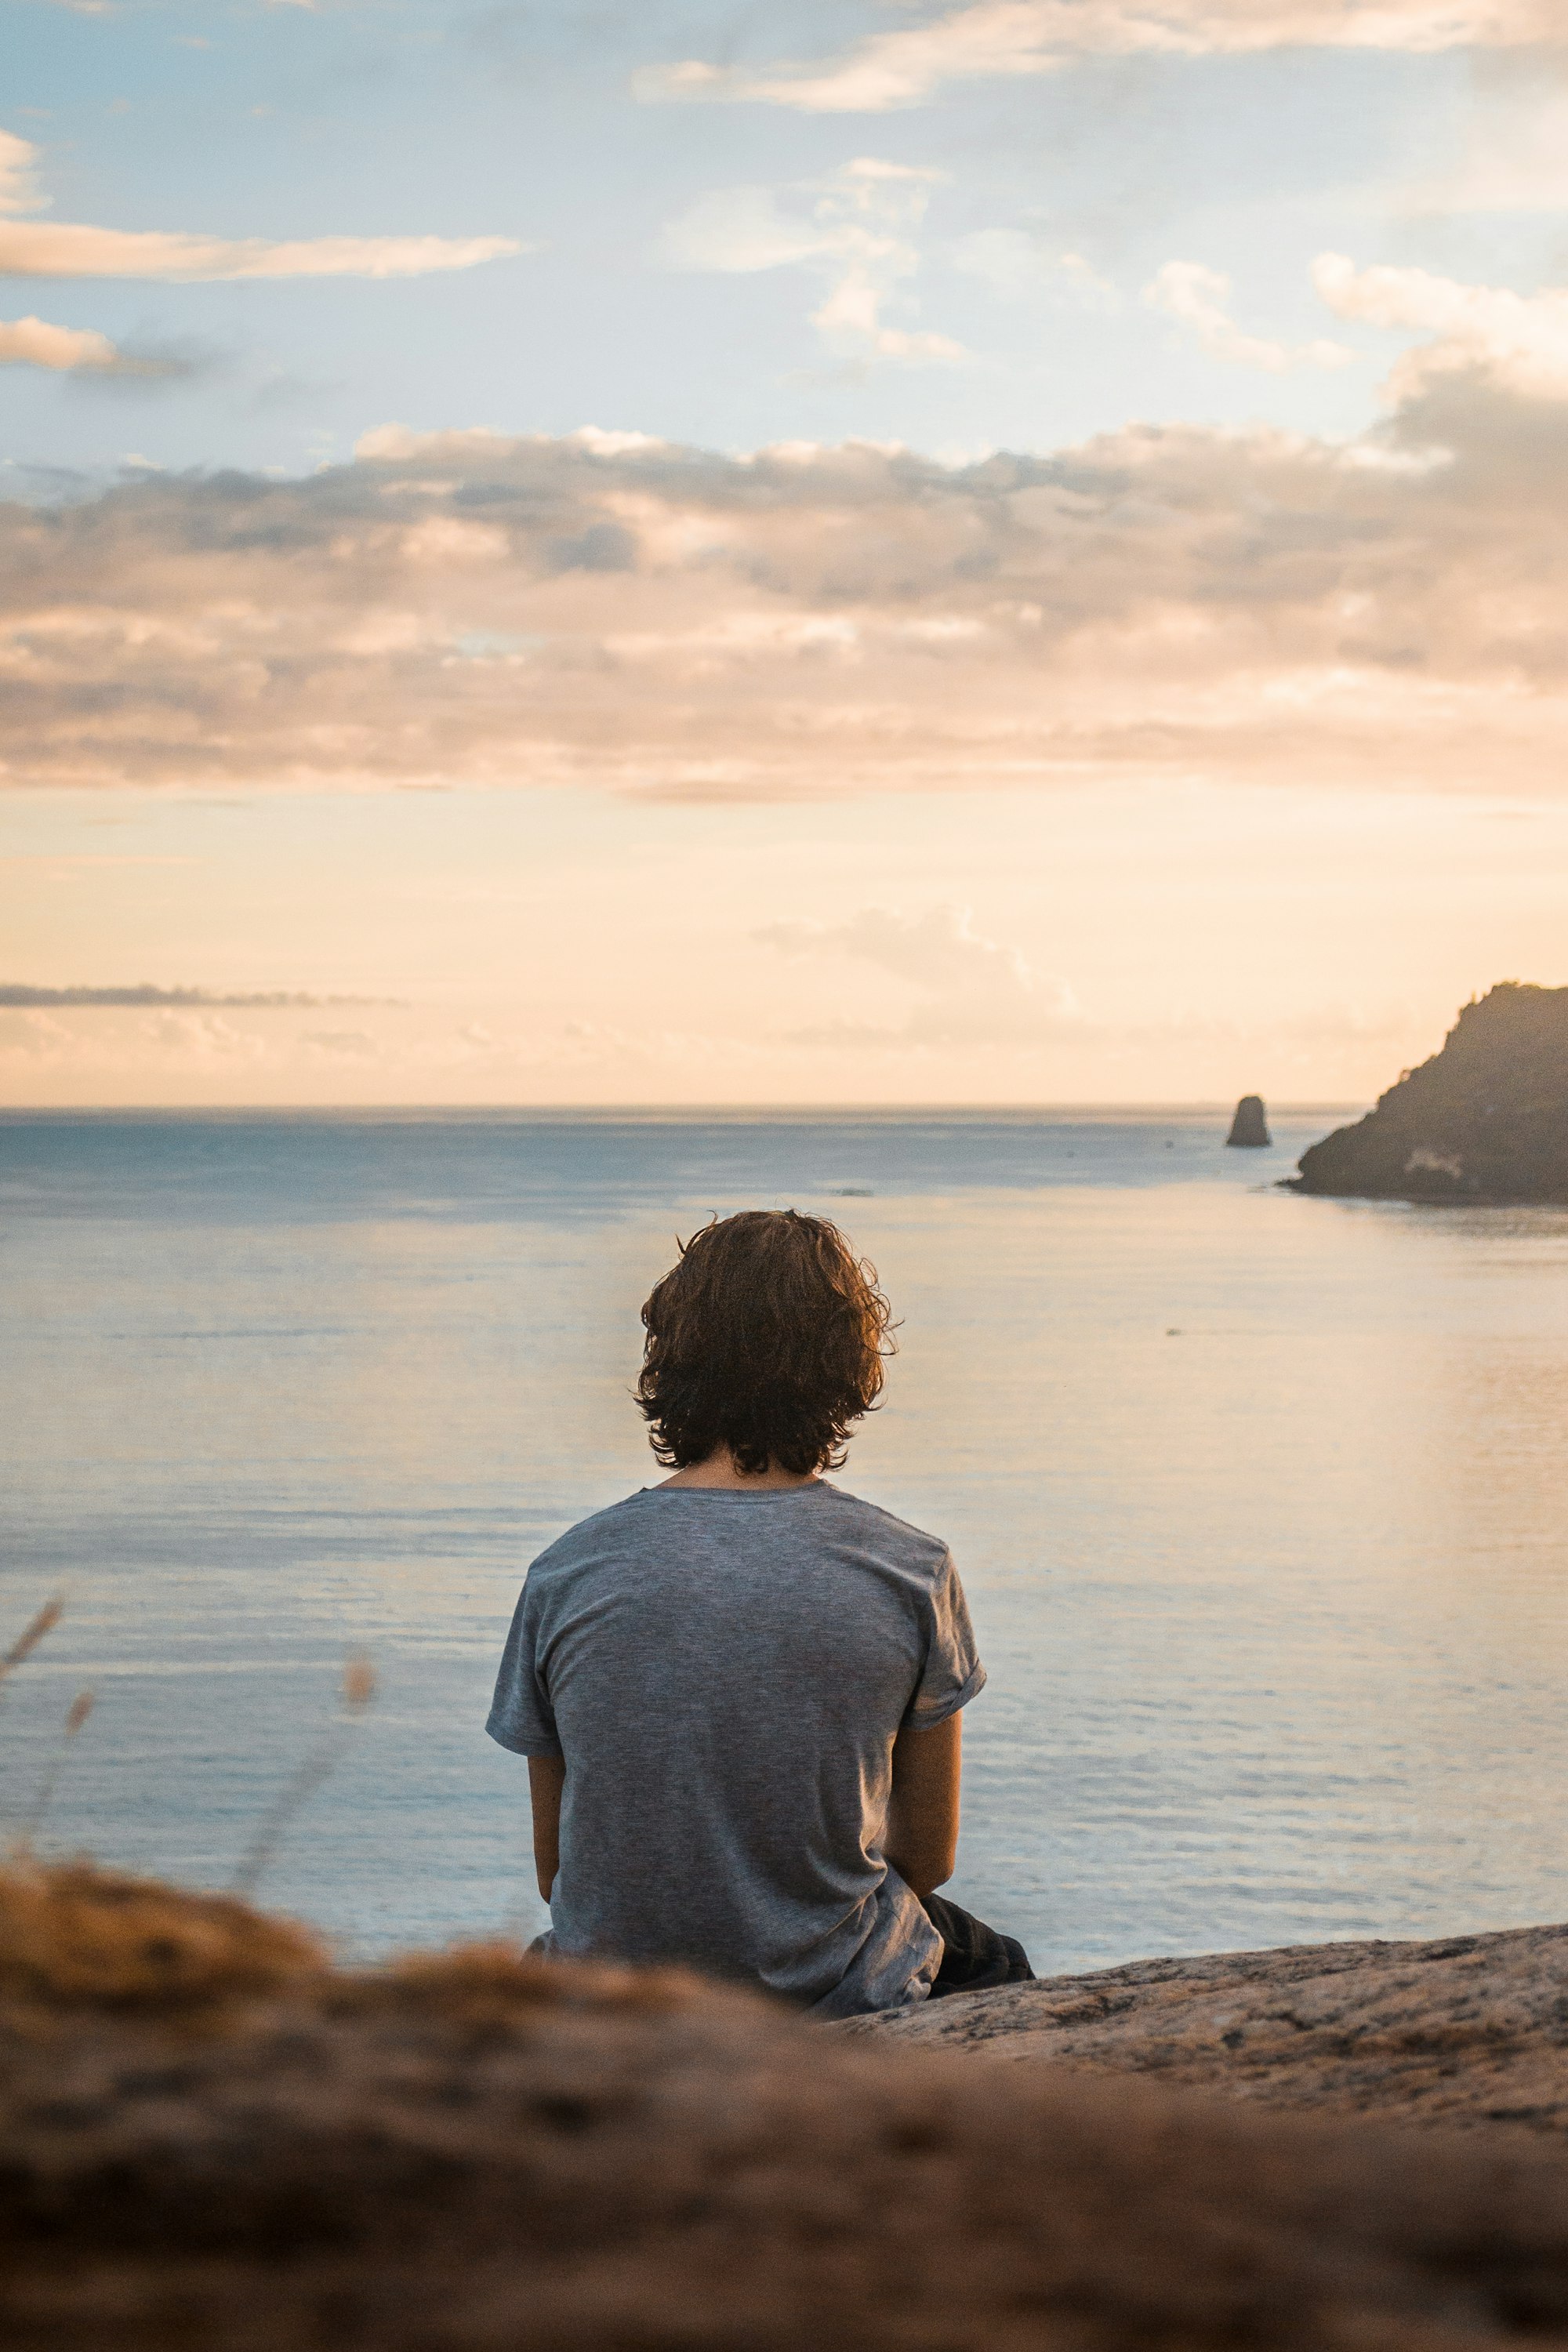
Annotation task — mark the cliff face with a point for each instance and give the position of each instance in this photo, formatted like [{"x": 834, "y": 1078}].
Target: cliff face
[
  {"x": 1485, "y": 1119},
  {"x": 214, "y": 2141}
]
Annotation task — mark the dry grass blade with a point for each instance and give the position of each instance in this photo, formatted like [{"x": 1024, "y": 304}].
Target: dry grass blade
[
  {"x": 358, "y": 1688},
  {"x": 27, "y": 1641},
  {"x": 76, "y": 1716}
]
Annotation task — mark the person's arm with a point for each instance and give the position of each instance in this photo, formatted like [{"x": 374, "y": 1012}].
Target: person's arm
[
  {"x": 921, "y": 1843},
  {"x": 546, "y": 1779}
]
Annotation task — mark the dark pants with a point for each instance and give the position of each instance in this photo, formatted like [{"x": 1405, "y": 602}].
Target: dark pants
[{"x": 974, "y": 1958}]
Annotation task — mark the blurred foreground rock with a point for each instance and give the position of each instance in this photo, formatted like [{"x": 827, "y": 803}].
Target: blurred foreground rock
[{"x": 212, "y": 2139}]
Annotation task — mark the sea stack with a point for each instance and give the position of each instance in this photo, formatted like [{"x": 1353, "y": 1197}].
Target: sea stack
[{"x": 1249, "y": 1128}]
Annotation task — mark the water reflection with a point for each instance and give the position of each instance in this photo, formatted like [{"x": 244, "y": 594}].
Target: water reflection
[{"x": 1260, "y": 1500}]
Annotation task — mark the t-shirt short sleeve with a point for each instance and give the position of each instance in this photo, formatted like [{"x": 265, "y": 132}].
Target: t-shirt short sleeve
[
  {"x": 952, "y": 1673},
  {"x": 520, "y": 1716}
]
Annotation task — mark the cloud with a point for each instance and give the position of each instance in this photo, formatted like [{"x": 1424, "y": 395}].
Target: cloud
[
  {"x": 1519, "y": 342},
  {"x": 972, "y": 989},
  {"x": 81, "y": 350},
  {"x": 54, "y": 249},
  {"x": 17, "y": 995},
  {"x": 33, "y": 342},
  {"x": 343, "y": 1045},
  {"x": 33, "y": 1037},
  {"x": 1017, "y": 263},
  {"x": 204, "y": 1037},
  {"x": 854, "y": 227},
  {"x": 1197, "y": 298},
  {"x": 625, "y": 614},
  {"x": 994, "y": 38},
  {"x": 1515, "y": 158},
  {"x": 19, "y": 190},
  {"x": 32, "y": 249},
  {"x": 939, "y": 948},
  {"x": 169, "y": 1042}
]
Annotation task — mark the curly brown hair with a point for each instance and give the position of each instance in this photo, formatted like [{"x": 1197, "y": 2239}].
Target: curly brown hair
[{"x": 767, "y": 1336}]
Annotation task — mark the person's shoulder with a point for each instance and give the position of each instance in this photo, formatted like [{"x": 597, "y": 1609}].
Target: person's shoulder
[
  {"x": 884, "y": 1529},
  {"x": 590, "y": 1538}
]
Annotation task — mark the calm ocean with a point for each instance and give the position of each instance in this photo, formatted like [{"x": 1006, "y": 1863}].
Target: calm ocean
[{"x": 1261, "y": 1502}]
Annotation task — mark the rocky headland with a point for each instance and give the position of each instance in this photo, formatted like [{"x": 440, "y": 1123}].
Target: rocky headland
[
  {"x": 214, "y": 2140},
  {"x": 1485, "y": 1119}
]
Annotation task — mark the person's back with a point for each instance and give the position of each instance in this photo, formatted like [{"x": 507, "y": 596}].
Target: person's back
[{"x": 739, "y": 1690}]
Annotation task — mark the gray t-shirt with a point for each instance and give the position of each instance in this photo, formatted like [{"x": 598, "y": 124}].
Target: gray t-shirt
[{"x": 725, "y": 1675}]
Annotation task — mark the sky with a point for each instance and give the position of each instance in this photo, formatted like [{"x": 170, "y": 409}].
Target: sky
[{"x": 967, "y": 551}]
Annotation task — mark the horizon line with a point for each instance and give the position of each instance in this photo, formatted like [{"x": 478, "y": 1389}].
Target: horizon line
[{"x": 1216, "y": 1105}]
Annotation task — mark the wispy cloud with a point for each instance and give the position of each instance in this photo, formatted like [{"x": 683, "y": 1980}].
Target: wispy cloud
[
  {"x": 342, "y": 1044},
  {"x": 1515, "y": 157},
  {"x": 33, "y": 342},
  {"x": 855, "y": 227},
  {"x": 938, "y": 949},
  {"x": 80, "y": 351},
  {"x": 1199, "y": 298},
  {"x": 1021, "y": 264},
  {"x": 17, "y": 996},
  {"x": 35, "y": 248},
  {"x": 969, "y": 989},
  {"x": 994, "y": 38}
]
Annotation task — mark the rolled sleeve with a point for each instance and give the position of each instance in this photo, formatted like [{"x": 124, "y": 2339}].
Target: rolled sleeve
[{"x": 951, "y": 1673}]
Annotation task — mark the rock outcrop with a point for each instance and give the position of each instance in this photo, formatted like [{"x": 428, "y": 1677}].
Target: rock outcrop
[
  {"x": 1249, "y": 1128},
  {"x": 211, "y": 2140},
  {"x": 1471, "y": 2032},
  {"x": 1486, "y": 1119}
]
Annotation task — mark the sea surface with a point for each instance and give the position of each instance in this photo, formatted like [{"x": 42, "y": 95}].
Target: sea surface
[{"x": 1261, "y": 1502}]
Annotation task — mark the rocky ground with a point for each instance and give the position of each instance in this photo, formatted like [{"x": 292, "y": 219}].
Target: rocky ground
[
  {"x": 210, "y": 2138},
  {"x": 1471, "y": 2031}
]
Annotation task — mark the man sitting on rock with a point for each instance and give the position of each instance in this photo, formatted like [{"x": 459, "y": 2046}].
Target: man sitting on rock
[{"x": 739, "y": 1690}]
